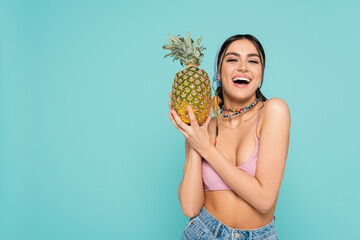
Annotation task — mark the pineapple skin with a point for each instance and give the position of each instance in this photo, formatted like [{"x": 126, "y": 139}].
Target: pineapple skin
[{"x": 192, "y": 86}]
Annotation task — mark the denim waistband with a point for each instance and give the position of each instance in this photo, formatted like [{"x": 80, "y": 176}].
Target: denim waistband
[{"x": 217, "y": 227}]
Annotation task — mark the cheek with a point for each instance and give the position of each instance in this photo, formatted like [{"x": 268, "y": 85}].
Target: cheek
[
  {"x": 225, "y": 70},
  {"x": 258, "y": 74},
  {"x": 257, "y": 69}
]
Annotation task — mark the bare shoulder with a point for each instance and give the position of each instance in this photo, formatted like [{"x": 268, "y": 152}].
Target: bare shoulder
[
  {"x": 276, "y": 112},
  {"x": 277, "y": 104},
  {"x": 276, "y": 107}
]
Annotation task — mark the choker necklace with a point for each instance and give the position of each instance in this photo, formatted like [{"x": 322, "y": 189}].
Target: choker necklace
[{"x": 237, "y": 111}]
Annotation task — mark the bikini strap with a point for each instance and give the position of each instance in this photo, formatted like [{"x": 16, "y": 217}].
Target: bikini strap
[
  {"x": 257, "y": 118},
  {"x": 216, "y": 132}
]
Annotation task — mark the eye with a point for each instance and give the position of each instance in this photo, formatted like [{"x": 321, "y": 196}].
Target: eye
[
  {"x": 231, "y": 60},
  {"x": 253, "y": 61}
]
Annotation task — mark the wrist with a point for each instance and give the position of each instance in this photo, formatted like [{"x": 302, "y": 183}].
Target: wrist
[
  {"x": 205, "y": 151},
  {"x": 194, "y": 155},
  {"x": 192, "y": 151}
]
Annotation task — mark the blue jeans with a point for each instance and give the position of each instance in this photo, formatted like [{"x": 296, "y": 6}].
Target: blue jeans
[{"x": 205, "y": 227}]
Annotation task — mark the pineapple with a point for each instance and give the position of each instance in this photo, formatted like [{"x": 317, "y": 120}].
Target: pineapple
[{"x": 191, "y": 85}]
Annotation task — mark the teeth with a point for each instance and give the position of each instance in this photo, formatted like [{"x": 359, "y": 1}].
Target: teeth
[{"x": 241, "y": 79}]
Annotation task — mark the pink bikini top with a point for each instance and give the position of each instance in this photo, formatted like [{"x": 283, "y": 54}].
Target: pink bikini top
[{"x": 212, "y": 181}]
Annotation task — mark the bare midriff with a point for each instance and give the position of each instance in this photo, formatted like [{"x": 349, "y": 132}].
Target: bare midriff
[{"x": 234, "y": 212}]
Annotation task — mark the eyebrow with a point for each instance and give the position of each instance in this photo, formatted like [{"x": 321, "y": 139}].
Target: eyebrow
[{"x": 249, "y": 55}]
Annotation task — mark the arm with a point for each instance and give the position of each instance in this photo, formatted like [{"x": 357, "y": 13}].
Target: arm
[
  {"x": 262, "y": 190},
  {"x": 191, "y": 190}
]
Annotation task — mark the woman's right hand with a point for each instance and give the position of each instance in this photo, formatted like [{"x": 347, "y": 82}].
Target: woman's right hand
[
  {"x": 197, "y": 136},
  {"x": 188, "y": 147}
]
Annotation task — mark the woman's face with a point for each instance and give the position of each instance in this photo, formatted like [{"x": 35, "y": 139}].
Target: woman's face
[{"x": 240, "y": 62}]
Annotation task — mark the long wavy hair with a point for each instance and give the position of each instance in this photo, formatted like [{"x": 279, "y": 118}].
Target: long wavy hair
[{"x": 218, "y": 99}]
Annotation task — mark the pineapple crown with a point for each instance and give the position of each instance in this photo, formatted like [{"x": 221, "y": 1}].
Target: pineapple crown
[{"x": 184, "y": 50}]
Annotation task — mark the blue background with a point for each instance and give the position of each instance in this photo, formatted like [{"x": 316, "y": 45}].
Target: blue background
[{"x": 87, "y": 150}]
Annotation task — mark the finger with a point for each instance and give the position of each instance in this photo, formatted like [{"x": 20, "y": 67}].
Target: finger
[
  {"x": 192, "y": 117},
  {"x": 179, "y": 122},
  {"x": 171, "y": 101},
  {"x": 206, "y": 124},
  {"x": 175, "y": 124}
]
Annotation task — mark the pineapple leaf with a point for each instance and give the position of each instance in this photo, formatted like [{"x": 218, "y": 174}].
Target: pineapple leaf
[
  {"x": 174, "y": 39},
  {"x": 188, "y": 50},
  {"x": 183, "y": 47},
  {"x": 202, "y": 48},
  {"x": 169, "y": 54},
  {"x": 188, "y": 41},
  {"x": 197, "y": 44},
  {"x": 182, "y": 58},
  {"x": 168, "y": 46},
  {"x": 184, "y": 50},
  {"x": 181, "y": 39}
]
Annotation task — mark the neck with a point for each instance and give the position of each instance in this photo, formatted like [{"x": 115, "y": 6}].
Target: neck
[
  {"x": 238, "y": 104},
  {"x": 240, "y": 112}
]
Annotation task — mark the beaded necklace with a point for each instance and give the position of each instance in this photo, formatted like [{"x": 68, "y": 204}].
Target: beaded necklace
[{"x": 237, "y": 111}]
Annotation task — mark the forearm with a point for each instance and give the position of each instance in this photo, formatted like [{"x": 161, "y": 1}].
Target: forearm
[
  {"x": 191, "y": 190},
  {"x": 243, "y": 184}
]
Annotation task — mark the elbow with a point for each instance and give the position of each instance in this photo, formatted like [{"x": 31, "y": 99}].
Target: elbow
[
  {"x": 191, "y": 207},
  {"x": 264, "y": 210},
  {"x": 191, "y": 213},
  {"x": 192, "y": 210},
  {"x": 265, "y": 207}
]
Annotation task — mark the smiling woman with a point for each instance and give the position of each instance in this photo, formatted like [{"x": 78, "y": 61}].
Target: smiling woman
[{"x": 234, "y": 163}]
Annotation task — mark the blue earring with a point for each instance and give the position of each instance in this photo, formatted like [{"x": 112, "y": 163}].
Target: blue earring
[{"x": 218, "y": 83}]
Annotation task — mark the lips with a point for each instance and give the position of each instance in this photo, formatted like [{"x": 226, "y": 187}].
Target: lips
[
  {"x": 241, "y": 85},
  {"x": 241, "y": 81}
]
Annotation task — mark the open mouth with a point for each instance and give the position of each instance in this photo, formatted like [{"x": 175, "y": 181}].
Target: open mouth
[{"x": 241, "y": 81}]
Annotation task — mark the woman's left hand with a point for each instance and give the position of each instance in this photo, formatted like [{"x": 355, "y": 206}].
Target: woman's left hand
[{"x": 197, "y": 136}]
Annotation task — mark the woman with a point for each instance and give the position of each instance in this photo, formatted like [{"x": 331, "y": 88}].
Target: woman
[{"x": 235, "y": 162}]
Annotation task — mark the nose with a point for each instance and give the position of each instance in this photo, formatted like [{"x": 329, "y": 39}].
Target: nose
[{"x": 242, "y": 66}]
